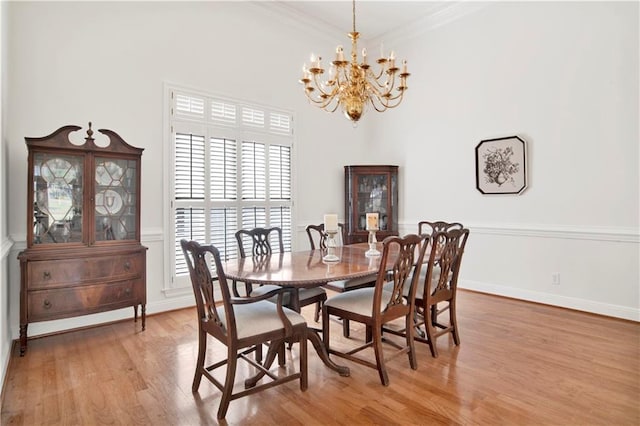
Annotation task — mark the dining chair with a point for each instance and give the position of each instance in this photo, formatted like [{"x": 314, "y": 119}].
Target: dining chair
[
  {"x": 318, "y": 238},
  {"x": 378, "y": 305},
  {"x": 438, "y": 285},
  {"x": 242, "y": 324},
  {"x": 430, "y": 228},
  {"x": 261, "y": 245}
]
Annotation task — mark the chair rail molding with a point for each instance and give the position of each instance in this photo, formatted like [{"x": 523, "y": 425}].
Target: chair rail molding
[
  {"x": 616, "y": 234},
  {"x": 6, "y": 247}
]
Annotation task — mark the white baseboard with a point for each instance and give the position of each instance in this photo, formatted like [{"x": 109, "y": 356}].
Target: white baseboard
[{"x": 590, "y": 306}]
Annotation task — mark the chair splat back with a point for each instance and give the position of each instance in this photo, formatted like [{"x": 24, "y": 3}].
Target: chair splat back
[
  {"x": 401, "y": 272},
  {"x": 260, "y": 240},
  {"x": 430, "y": 228},
  {"x": 449, "y": 247},
  {"x": 321, "y": 236},
  {"x": 198, "y": 261}
]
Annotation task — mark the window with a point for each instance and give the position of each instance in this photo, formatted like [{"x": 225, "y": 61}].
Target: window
[{"x": 231, "y": 167}]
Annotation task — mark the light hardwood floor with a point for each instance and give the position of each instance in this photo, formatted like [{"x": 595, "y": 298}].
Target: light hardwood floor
[{"x": 518, "y": 364}]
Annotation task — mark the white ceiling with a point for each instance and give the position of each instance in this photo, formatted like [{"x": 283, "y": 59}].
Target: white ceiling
[{"x": 374, "y": 18}]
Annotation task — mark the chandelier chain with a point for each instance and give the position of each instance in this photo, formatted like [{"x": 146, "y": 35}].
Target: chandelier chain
[{"x": 354, "y": 15}]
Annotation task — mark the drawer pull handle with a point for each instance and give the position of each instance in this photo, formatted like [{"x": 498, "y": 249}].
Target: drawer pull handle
[
  {"x": 127, "y": 266},
  {"x": 46, "y": 275},
  {"x": 127, "y": 291},
  {"x": 46, "y": 304}
]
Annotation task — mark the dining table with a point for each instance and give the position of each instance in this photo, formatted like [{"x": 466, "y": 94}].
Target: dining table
[{"x": 307, "y": 269}]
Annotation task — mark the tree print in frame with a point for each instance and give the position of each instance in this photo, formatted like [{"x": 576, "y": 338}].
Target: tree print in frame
[{"x": 501, "y": 166}]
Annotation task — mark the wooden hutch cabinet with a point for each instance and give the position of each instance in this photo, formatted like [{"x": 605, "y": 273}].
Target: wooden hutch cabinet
[
  {"x": 83, "y": 252},
  {"x": 370, "y": 189}
]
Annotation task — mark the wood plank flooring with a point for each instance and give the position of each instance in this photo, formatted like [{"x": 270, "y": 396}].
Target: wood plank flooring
[{"x": 518, "y": 364}]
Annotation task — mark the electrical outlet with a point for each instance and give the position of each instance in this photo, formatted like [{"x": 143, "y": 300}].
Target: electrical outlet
[{"x": 555, "y": 278}]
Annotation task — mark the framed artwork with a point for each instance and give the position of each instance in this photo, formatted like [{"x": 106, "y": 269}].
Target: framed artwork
[{"x": 501, "y": 166}]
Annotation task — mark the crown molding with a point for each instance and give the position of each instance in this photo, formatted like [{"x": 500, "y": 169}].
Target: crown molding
[
  {"x": 438, "y": 17},
  {"x": 440, "y": 14}
]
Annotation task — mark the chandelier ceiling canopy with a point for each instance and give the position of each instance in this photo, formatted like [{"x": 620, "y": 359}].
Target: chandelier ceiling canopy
[{"x": 352, "y": 85}]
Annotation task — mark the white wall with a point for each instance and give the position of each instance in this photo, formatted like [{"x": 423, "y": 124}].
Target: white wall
[
  {"x": 107, "y": 62},
  {"x": 563, "y": 76},
  {"x": 5, "y": 243}
]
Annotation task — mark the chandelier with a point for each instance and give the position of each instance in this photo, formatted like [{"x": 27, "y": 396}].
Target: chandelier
[{"x": 353, "y": 85}]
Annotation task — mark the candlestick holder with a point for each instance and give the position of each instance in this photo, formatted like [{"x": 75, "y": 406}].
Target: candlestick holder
[
  {"x": 373, "y": 251},
  {"x": 331, "y": 247}
]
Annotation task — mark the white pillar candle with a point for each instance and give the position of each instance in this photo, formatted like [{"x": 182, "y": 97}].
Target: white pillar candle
[
  {"x": 372, "y": 221},
  {"x": 330, "y": 222}
]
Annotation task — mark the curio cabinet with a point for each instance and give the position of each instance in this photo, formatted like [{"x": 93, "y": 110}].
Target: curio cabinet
[
  {"x": 83, "y": 252},
  {"x": 370, "y": 189}
]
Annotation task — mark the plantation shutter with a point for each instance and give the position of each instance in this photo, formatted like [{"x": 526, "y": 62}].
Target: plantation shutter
[{"x": 231, "y": 169}]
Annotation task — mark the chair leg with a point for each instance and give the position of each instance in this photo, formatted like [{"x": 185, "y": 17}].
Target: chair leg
[
  {"x": 325, "y": 328},
  {"x": 282, "y": 360},
  {"x": 454, "y": 322},
  {"x": 377, "y": 347},
  {"x": 303, "y": 363},
  {"x": 259, "y": 354},
  {"x": 202, "y": 349},
  {"x": 413, "y": 362},
  {"x": 316, "y": 316},
  {"x": 429, "y": 328},
  {"x": 232, "y": 359},
  {"x": 345, "y": 327}
]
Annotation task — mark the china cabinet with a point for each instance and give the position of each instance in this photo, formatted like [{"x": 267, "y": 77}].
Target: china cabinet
[
  {"x": 83, "y": 252},
  {"x": 370, "y": 189}
]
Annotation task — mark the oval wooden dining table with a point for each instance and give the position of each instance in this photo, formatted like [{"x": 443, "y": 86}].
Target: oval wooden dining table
[{"x": 305, "y": 269}]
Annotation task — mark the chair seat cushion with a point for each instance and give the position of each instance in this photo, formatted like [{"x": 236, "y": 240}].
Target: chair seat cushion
[
  {"x": 259, "y": 317},
  {"x": 347, "y": 285},
  {"x": 358, "y": 301}
]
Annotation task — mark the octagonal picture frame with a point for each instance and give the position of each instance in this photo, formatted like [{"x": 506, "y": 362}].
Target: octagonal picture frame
[{"x": 501, "y": 165}]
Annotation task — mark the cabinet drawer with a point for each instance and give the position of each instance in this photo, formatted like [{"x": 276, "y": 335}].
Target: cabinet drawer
[
  {"x": 64, "y": 302},
  {"x": 55, "y": 273}
]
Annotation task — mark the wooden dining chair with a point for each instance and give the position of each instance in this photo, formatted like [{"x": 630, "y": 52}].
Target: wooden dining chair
[
  {"x": 260, "y": 240},
  {"x": 439, "y": 286},
  {"x": 242, "y": 324},
  {"x": 378, "y": 305},
  {"x": 430, "y": 228},
  {"x": 318, "y": 238}
]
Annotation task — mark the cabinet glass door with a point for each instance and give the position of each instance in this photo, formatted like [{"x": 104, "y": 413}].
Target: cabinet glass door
[
  {"x": 115, "y": 199},
  {"x": 372, "y": 198},
  {"x": 57, "y": 201}
]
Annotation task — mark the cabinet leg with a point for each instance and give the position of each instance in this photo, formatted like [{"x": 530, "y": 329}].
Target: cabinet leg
[
  {"x": 23, "y": 339},
  {"x": 144, "y": 316}
]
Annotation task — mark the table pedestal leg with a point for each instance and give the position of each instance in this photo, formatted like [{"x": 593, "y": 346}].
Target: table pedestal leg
[{"x": 315, "y": 338}]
